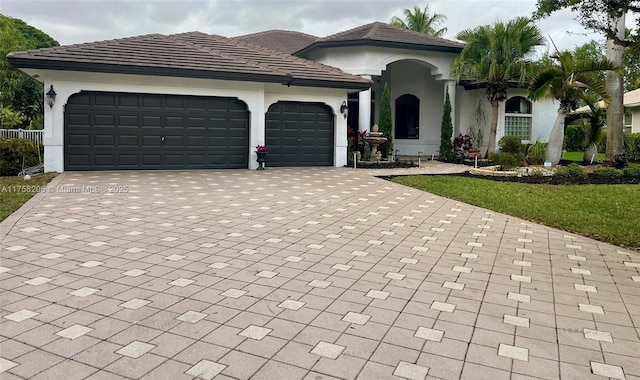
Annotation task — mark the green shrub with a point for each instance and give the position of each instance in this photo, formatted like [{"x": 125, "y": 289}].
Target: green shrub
[
  {"x": 384, "y": 121},
  {"x": 12, "y": 152},
  {"x": 633, "y": 172},
  {"x": 573, "y": 171},
  {"x": 607, "y": 174},
  {"x": 574, "y": 137},
  {"x": 506, "y": 160},
  {"x": 536, "y": 152},
  {"x": 537, "y": 172},
  {"x": 510, "y": 144},
  {"x": 446, "y": 131},
  {"x": 632, "y": 146}
]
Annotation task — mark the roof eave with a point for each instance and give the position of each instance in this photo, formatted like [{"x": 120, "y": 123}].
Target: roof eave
[
  {"x": 47, "y": 64},
  {"x": 378, "y": 43},
  {"x": 331, "y": 84}
]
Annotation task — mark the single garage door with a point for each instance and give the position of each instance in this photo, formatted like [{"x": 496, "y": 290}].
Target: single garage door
[
  {"x": 115, "y": 131},
  {"x": 299, "y": 134}
]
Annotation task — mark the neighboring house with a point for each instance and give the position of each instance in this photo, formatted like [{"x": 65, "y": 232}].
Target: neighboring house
[
  {"x": 195, "y": 100},
  {"x": 632, "y": 111}
]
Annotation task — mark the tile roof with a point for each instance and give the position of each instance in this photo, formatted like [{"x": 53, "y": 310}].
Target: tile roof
[
  {"x": 195, "y": 54},
  {"x": 379, "y": 33},
  {"x": 631, "y": 99},
  {"x": 301, "y": 69},
  {"x": 285, "y": 41}
]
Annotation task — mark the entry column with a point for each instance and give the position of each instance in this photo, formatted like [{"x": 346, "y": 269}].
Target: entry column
[{"x": 364, "y": 108}]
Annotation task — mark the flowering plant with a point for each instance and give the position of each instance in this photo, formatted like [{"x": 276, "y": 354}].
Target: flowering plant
[{"x": 261, "y": 148}]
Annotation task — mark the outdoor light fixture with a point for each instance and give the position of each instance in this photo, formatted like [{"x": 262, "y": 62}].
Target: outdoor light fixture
[
  {"x": 344, "y": 109},
  {"x": 51, "y": 97}
]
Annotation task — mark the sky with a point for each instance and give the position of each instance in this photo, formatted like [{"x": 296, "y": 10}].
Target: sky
[{"x": 77, "y": 21}]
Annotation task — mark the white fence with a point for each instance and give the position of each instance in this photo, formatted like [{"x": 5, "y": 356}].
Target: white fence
[{"x": 33, "y": 136}]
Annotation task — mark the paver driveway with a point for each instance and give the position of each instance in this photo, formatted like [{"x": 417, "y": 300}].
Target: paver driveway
[{"x": 292, "y": 274}]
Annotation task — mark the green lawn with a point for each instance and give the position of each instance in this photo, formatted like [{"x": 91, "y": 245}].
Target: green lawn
[
  {"x": 608, "y": 213},
  {"x": 577, "y": 156},
  {"x": 15, "y": 191}
]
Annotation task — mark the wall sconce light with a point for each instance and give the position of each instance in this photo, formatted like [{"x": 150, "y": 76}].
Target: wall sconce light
[
  {"x": 344, "y": 109},
  {"x": 51, "y": 97}
]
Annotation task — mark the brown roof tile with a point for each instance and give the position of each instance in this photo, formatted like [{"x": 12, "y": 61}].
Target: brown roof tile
[
  {"x": 285, "y": 41},
  {"x": 188, "y": 55},
  {"x": 379, "y": 33},
  {"x": 301, "y": 70}
]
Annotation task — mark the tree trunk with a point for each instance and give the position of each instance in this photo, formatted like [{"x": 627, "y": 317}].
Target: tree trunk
[
  {"x": 615, "y": 87},
  {"x": 556, "y": 140},
  {"x": 495, "y": 107}
]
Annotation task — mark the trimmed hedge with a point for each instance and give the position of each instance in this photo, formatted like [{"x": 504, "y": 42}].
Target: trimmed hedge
[
  {"x": 573, "y": 171},
  {"x": 632, "y": 146},
  {"x": 12, "y": 153},
  {"x": 511, "y": 144}
]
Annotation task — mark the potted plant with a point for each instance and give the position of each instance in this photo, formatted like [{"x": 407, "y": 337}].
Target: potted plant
[
  {"x": 461, "y": 147},
  {"x": 261, "y": 152}
]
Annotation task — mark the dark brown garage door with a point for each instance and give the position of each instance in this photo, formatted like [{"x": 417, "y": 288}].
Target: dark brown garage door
[
  {"x": 115, "y": 131},
  {"x": 299, "y": 134}
]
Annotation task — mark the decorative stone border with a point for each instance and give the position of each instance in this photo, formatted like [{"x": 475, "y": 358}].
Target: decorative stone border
[{"x": 492, "y": 171}]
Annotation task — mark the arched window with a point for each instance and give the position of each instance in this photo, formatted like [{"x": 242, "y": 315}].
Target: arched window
[
  {"x": 518, "y": 118},
  {"x": 407, "y": 117}
]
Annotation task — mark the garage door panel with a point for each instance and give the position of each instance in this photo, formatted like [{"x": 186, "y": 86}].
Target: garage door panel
[
  {"x": 128, "y": 141},
  {"x": 151, "y": 141},
  {"x": 105, "y": 100},
  {"x": 79, "y": 119},
  {"x": 83, "y": 140},
  {"x": 128, "y": 121},
  {"x": 131, "y": 101},
  {"x": 103, "y": 140},
  {"x": 104, "y": 159},
  {"x": 126, "y": 131},
  {"x": 108, "y": 120},
  {"x": 152, "y": 101},
  {"x": 151, "y": 159}
]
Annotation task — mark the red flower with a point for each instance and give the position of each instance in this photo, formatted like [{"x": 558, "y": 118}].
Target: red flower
[{"x": 261, "y": 148}]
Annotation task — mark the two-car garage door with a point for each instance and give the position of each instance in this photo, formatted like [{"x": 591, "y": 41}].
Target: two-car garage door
[
  {"x": 122, "y": 131},
  {"x": 111, "y": 131}
]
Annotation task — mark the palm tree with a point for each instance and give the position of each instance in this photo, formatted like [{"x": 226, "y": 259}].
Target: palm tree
[
  {"x": 567, "y": 81},
  {"x": 499, "y": 54},
  {"x": 596, "y": 119},
  {"x": 421, "y": 21}
]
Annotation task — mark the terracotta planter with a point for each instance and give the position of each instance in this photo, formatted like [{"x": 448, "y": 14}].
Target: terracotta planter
[{"x": 474, "y": 153}]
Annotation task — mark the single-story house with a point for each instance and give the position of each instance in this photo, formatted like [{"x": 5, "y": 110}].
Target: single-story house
[
  {"x": 631, "y": 118},
  {"x": 196, "y": 100}
]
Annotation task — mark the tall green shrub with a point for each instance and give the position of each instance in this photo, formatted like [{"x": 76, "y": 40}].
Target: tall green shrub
[
  {"x": 574, "y": 137},
  {"x": 16, "y": 154},
  {"x": 384, "y": 121},
  {"x": 632, "y": 146},
  {"x": 446, "y": 131}
]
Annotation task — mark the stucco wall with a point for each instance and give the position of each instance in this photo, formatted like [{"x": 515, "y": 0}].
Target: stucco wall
[
  {"x": 361, "y": 60},
  {"x": 544, "y": 114},
  {"x": 635, "y": 120},
  {"x": 257, "y": 96}
]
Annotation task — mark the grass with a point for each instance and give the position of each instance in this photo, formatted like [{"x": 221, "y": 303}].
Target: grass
[
  {"x": 577, "y": 156},
  {"x": 608, "y": 213},
  {"x": 15, "y": 191}
]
